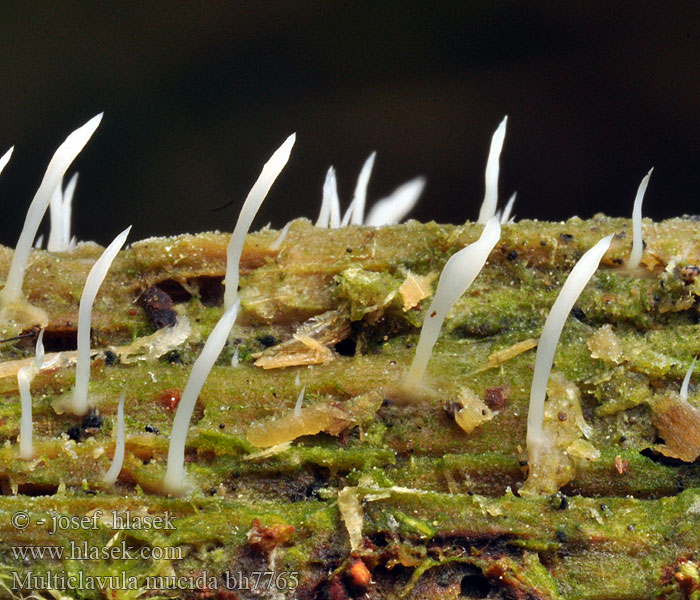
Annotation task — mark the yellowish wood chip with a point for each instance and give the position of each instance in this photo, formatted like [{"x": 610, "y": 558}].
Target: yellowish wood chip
[
  {"x": 416, "y": 288},
  {"x": 501, "y": 356},
  {"x": 604, "y": 344}
]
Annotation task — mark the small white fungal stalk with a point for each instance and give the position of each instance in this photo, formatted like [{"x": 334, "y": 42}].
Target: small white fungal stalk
[
  {"x": 24, "y": 379},
  {"x": 61, "y": 212},
  {"x": 488, "y": 206},
  {"x": 686, "y": 381},
  {"x": 13, "y": 306},
  {"x": 234, "y": 359},
  {"x": 329, "y": 216},
  {"x": 392, "y": 209},
  {"x": 537, "y": 441},
  {"x": 281, "y": 237},
  {"x": 300, "y": 402},
  {"x": 261, "y": 187},
  {"x": 457, "y": 275},
  {"x": 118, "y": 459},
  {"x": 174, "y": 482},
  {"x": 6, "y": 158},
  {"x": 359, "y": 198},
  {"x": 387, "y": 211},
  {"x": 505, "y": 217},
  {"x": 637, "y": 240},
  {"x": 79, "y": 403}
]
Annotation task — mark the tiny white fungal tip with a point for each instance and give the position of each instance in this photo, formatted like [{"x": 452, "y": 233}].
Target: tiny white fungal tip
[
  {"x": 637, "y": 240},
  {"x": 348, "y": 214},
  {"x": 270, "y": 171},
  {"x": 56, "y": 214},
  {"x": 6, "y": 158},
  {"x": 392, "y": 209},
  {"x": 300, "y": 401},
  {"x": 297, "y": 380},
  {"x": 329, "y": 204},
  {"x": 39, "y": 351},
  {"x": 79, "y": 404},
  {"x": 360, "y": 196},
  {"x": 61, "y": 160},
  {"x": 488, "y": 206},
  {"x": 334, "y": 217},
  {"x": 118, "y": 460},
  {"x": 686, "y": 381},
  {"x": 508, "y": 209},
  {"x": 458, "y": 274},
  {"x": 281, "y": 237},
  {"x": 573, "y": 286},
  {"x": 234, "y": 358},
  {"x": 67, "y": 210},
  {"x": 174, "y": 482},
  {"x": 24, "y": 379}
]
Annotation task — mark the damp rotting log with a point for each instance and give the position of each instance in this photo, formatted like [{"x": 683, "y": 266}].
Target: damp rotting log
[{"x": 365, "y": 493}]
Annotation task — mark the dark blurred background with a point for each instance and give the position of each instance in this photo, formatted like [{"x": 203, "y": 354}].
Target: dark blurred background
[{"x": 198, "y": 95}]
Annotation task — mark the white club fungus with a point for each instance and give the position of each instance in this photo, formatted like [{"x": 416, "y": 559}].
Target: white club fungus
[
  {"x": 570, "y": 291},
  {"x": 68, "y": 242},
  {"x": 261, "y": 187},
  {"x": 300, "y": 402},
  {"x": 345, "y": 221},
  {"x": 457, "y": 275},
  {"x": 637, "y": 242},
  {"x": 118, "y": 460},
  {"x": 281, "y": 237},
  {"x": 360, "y": 196},
  {"x": 56, "y": 214},
  {"x": 60, "y": 210},
  {"x": 505, "y": 217},
  {"x": 393, "y": 208},
  {"x": 174, "y": 481},
  {"x": 79, "y": 404},
  {"x": 6, "y": 159},
  {"x": 329, "y": 216},
  {"x": 24, "y": 380},
  {"x": 334, "y": 217},
  {"x": 62, "y": 159},
  {"x": 234, "y": 359},
  {"x": 488, "y": 206},
  {"x": 686, "y": 381}
]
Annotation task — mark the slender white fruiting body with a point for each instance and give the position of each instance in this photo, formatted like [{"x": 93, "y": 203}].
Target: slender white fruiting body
[
  {"x": 118, "y": 459},
  {"x": 392, "y": 209},
  {"x": 261, "y": 187},
  {"x": 573, "y": 286},
  {"x": 360, "y": 196},
  {"x": 174, "y": 481},
  {"x": 62, "y": 159},
  {"x": 686, "y": 381},
  {"x": 24, "y": 380},
  {"x": 488, "y": 206},
  {"x": 79, "y": 404},
  {"x": 300, "y": 401},
  {"x": 637, "y": 240},
  {"x": 508, "y": 209},
  {"x": 56, "y": 214},
  {"x": 281, "y": 237},
  {"x": 67, "y": 210},
  {"x": 329, "y": 204},
  {"x": 457, "y": 275},
  {"x": 332, "y": 184},
  {"x": 234, "y": 358},
  {"x": 5, "y": 158},
  {"x": 348, "y": 215}
]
